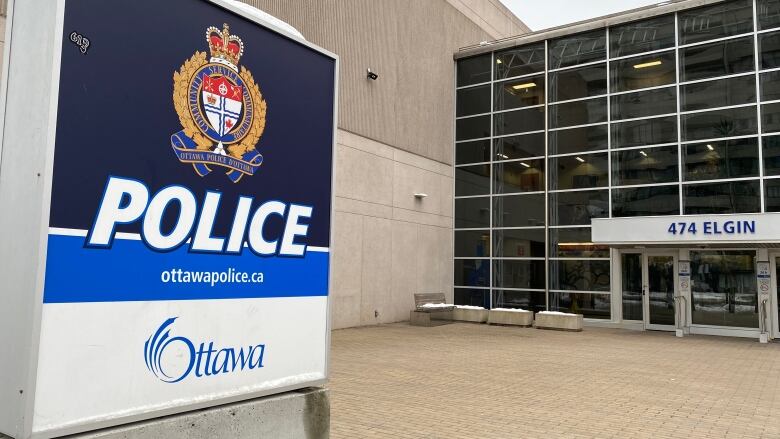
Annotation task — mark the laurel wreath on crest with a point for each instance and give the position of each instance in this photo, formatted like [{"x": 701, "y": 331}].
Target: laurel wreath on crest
[{"x": 181, "y": 82}]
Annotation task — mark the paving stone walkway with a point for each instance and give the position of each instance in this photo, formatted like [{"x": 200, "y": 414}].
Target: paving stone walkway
[{"x": 477, "y": 381}]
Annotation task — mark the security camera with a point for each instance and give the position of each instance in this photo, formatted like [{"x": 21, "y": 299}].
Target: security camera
[{"x": 371, "y": 75}]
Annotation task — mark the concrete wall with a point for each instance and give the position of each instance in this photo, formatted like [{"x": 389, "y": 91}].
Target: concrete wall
[{"x": 388, "y": 244}]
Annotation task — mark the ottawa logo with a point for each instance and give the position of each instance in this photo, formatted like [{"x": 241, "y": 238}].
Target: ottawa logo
[
  {"x": 173, "y": 358},
  {"x": 221, "y": 110}
]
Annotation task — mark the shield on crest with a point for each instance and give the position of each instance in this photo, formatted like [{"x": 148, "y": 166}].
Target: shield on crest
[{"x": 222, "y": 103}]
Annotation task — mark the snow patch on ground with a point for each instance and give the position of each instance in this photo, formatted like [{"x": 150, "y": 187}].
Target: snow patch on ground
[
  {"x": 511, "y": 309},
  {"x": 469, "y": 307},
  {"x": 557, "y": 313},
  {"x": 436, "y": 305}
]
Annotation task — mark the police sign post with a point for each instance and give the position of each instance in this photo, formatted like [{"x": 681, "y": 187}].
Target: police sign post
[{"x": 166, "y": 189}]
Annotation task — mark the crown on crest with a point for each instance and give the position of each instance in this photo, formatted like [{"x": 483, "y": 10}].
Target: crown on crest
[{"x": 223, "y": 46}]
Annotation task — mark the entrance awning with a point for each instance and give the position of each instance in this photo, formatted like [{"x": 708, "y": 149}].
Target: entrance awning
[{"x": 740, "y": 230}]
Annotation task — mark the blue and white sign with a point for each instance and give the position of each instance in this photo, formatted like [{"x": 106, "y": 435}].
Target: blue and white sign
[{"x": 187, "y": 253}]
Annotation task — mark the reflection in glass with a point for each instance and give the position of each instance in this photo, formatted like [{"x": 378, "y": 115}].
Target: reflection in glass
[
  {"x": 631, "y": 285},
  {"x": 472, "y": 152},
  {"x": 472, "y": 180},
  {"x": 575, "y": 242},
  {"x": 722, "y": 159},
  {"x": 719, "y": 123},
  {"x": 716, "y": 198},
  {"x": 645, "y": 166},
  {"x": 772, "y": 195},
  {"x": 646, "y": 201},
  {"x": 642, "y": 36},
  {"x": 472, "y": 127},
  {"x": 521, "y": 176},
  {"x": 474, "y": 70},
  {"x": 579, "y": 275},
  {"x": 591, "y": 306},
  {"x": 520, "y": 61},
  {"x": 643, "y": 71},
  {"x": 716, "y": 21},
  {"x": 518, "y": 93},
  {"x": 723, "y": 288},
  {"x": 578, "y": 49},
  {"x": 474, "y": 100},
  {"x": 581, "y": 139},
  {"x": 472, "y": 297},
  {"x": 472, "y": 212},
  {"x": 511, "y": 273},
  {"x": 578, "y": 113},
  {"x": 528, "y": 300},
  {"x": 660, "y": 291},
  {"x": 518, "y": 210},
  {"x": 578, "y": 83},
  {"x": 770, "y": 118},
  {"x": 580, "y": 171},
  {"x": 718, "y": 93},
  {"x": 472, "y": 272},
  {"x": 768, "y": 12},
  {"x": 518, "y": 243},
  {"x": 518, "y": 121},
  {"x": 771, "y": 155},
  {"x": 519, "y": 147},
  {"x": 472, "y": 243},
  {"x": 644, "y": 132},
  {"x": 770, "y": 85},
  {"x": 644, "y": 103},
  {"x": 717, "y": 59},
  {"x": 577, "y": 208},
  {"x": 769, "y": 46}
]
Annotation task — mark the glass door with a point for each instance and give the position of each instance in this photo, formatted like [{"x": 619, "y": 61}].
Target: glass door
[{"x": 659, "y": 291}]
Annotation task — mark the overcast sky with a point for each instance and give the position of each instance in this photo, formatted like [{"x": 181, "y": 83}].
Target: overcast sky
[{"x": 542, "y": 14}]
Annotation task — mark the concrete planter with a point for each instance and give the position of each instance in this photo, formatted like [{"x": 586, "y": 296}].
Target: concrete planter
[
  {"x": 513, "y": 317},
  {"x": 558, "y": 320},
  {"x": 470, "y": 314}
]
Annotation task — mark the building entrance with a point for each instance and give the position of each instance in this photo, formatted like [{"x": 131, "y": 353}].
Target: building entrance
[{"x": 648, "y": 289}]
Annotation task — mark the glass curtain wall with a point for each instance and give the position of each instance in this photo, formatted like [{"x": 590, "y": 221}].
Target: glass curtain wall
[{"x": 675, "y": 114}]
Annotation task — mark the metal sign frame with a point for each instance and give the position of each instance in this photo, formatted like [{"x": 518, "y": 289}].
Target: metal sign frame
[{"x": 30, "y": 86}]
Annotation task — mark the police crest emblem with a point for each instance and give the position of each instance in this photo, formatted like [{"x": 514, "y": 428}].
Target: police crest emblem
[{"x": 221, "y": 109}]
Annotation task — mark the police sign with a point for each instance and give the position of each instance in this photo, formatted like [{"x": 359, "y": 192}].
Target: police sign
[{"x": 166, "y": 182}]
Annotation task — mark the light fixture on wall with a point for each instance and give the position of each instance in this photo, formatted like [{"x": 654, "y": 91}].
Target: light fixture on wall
[
  {"x": 420, "y": 195},
  {"x": 371, "y": 75}
]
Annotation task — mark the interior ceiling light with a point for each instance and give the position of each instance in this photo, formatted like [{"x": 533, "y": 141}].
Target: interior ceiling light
[
  {"x": 643, "y": 153},
  {"x": 648, "y": 64},
  {"x": 710, "y": 147},
  {"x": 498, "y": 61},
  {"x": 524, "y": 86},
  {"x": 525, "y": 164},
  {"x": 580, "y": 159},
  {"x": 503, "y": 156}
]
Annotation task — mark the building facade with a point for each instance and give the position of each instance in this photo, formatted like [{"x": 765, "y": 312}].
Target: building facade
[{"x": 625, "y": 168}]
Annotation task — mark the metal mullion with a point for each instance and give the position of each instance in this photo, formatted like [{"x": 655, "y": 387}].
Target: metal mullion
[
  {"x": 764, "y": 31},
  {"x": 658, "y": 145},
  {"x": 637, "y": 55},
  {"x": 492, "y": 182},
  {"x": 609, "y": 131},
  {"x": 714, "y": 78},
  {"x": 773, "y": 69},
  {"x": 509, "y": 110},
  {"x": 472, "y": 140},
  {"x": 632, "y": 186},
  {"x": 465, "y": 165},
  {"x": 569, "y": 154},
  {"x": 471, "y": 116},
  {"x": 717, "y": 139},
  {"x": 727, "y": 107},
  {"x": 546, "y": 175},
  {"x": 524, "y": 133},
  {"x": 720, "y": 180},
  {"x": 578, "y": 226},
  {"x": 757, "y": 66},
  {"x": 472, "y": 85},
  {"x": 654, "y": 116},
  {"x": 519, "y": 160},
  {"x": 677, "y": 69},
  {"x": 458, "y": 197},
  {"x": 519, "y": 228},
  {"x": 608, "y": 293},
  {"x": 578, "y": 99},
  {"x": 508, "y": 194},
  {"x": 577, "y": 126},
  {"x": 595, "y": 188},
  {"x": 514, "y": 78},
  {"x": 714, "y": 40},
  {"x": 563, "y": 69},
  {"x": 655, "y": 87}
]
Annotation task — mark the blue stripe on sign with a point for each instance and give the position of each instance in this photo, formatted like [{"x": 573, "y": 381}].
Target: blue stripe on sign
[{"x": 129, "y": 271}]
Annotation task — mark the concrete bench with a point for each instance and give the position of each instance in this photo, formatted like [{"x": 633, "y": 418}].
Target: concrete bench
[
  {"x": 431, "y": 309},
  {"x": 511, "y": 317},
  {"x": 464, "y": 313},
  {"x": 558, "y": 320}
]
